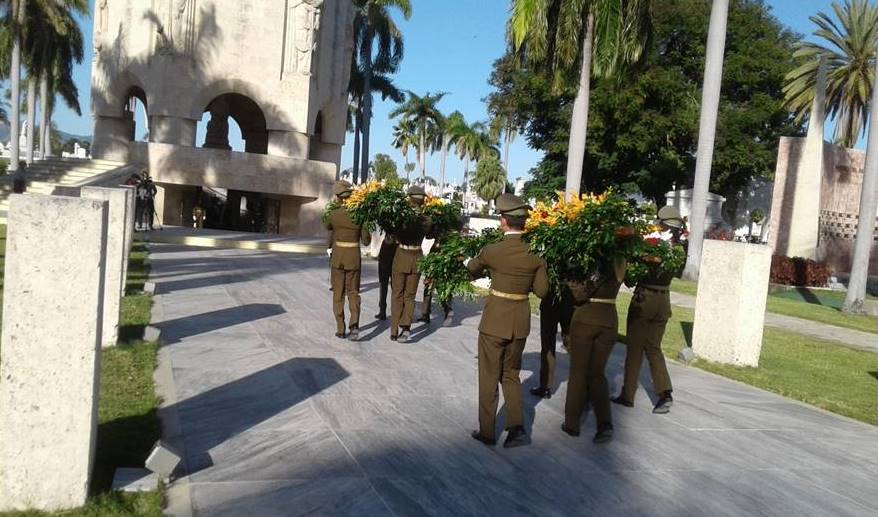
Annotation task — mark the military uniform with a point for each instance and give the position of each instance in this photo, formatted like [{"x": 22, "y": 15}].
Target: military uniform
[
  {"x": 554, "y": 311},
  {"x": 385, "y": 268},
  {"x": 405, "y": 276},
  {"x": 345, "y": 238},
  {"x": 593, "y": 331},
  {"x": 648, "y": 316},
  {"x": 505, "y": 323}
]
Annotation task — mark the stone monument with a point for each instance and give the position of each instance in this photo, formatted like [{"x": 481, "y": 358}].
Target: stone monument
[
  {"x": 50, "y": 351},
  {"x": 280, "y": 69},
  {"x": 730, "y": 307}
]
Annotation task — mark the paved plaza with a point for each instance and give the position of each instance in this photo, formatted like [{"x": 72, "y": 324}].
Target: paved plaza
[{"x": 278, "y": 417}]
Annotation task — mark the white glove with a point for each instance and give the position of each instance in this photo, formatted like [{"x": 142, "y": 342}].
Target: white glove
[{"x": 328, "y": 252}]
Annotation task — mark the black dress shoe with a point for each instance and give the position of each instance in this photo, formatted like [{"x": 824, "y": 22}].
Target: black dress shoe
[
  {"x": 622, "y": 402},
  {"x": 569, "y": 431},
  {"x": 340, "y": 335},
  {"x": 394, "y": 338},
  {"x": 381, "y": 316},
  {"x": 604, "y": 434},
  {"x": 354, "y": 334},
  {"x": 516, "y": 437},
  {"x": 424, "y": 319},
  {"x": 487, "y": 441},
  {"x": 543, "y": 393},
  {"x": 664, "y": 404}
]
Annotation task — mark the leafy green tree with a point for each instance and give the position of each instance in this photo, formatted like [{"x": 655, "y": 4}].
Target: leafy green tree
[
  {"x": 848, "y": 46},
  {"x": 644, "y": 124},
  {"x": 422, "y": 111},
  {"x": 384, "y": 168},
  {"x": 490, "y": 178}
]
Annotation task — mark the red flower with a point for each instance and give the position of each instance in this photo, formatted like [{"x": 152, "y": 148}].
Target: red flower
[{"x": 653, "y": 241}]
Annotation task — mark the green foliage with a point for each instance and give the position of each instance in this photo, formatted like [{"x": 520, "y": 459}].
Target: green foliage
[
  {"x": 653, "y": 256},
  {"x": 443, "y": 267},
  {"x": 330, "y": 207},
  {"x": 385, "y": 207},
  {"x": 384, "y": 168},
  {"x": 445, "y": 217},
  {"x": 643, "y": 125},
  {"x": 849, "y": 50},
  {"x": 490, "y": 178}
]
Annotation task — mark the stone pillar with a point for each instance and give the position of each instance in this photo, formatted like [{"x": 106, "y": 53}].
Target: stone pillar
[
  {"x": 804, "y": 219},
  {"x": 290, "y": 144},
  {"x": 256, "y": 142},
  {"x": 114, "y": 279},
  {"x": 171, "y": 213},
  {"x": 112, "y": 137},
  {"x": 730, "y": 307},
  {"x": 172, "y": 130},
  {"x": 130, "y": 199},
  {"x": 50, "y": 364}
]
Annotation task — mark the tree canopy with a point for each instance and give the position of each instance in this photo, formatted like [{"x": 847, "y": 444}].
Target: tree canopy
[{"x": 643, "y": 124}]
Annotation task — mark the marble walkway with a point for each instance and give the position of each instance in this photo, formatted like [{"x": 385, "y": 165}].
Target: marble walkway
[{"x": 275, "y": 416}]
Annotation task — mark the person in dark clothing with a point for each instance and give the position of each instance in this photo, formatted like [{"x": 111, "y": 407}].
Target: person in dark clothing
[
  {"x": 554, "y": 310},
  {"x": 146, "y": 191},
  {"x": 385, "y": 268}
]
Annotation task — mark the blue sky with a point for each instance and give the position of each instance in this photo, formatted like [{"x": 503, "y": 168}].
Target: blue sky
[{"x": 450, "y": 47}]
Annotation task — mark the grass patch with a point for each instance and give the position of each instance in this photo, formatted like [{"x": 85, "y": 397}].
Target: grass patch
[
  {"x": 807, "y": 304},
  {"x": 128, "y": 424}
]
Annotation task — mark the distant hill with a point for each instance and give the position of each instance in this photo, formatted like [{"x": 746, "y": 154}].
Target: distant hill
[{"x": 4, "y": 135}]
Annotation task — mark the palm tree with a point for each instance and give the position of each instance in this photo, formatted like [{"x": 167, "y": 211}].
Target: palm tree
[
  {"x": 423, "y": 112},
  {"x": 405, "y": 137},
  {"x": 849, "y": 52},
  {"x": 378, "y": 45},
  {"x": 380, "y": 83},
  {"x": 504, "y": 124},
  {"x": 452, "y": 128},
  {"x": 15, "y": 20},
  {"x": 474, "y": 143},
  {"x": 490, "y": 178},
  {"x": 573, "y": 37},
  {"x": 713, "y": 75}
]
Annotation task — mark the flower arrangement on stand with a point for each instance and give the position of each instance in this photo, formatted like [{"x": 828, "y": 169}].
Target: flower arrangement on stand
[
  {"x": 449, "y": 276},
  {"x": 575, "y": 237}
]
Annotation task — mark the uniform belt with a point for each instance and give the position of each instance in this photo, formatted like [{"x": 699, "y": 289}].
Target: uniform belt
[
  {"x": 409, "y": 248},
  {"x": 611, "y": 301},
  {"x": 515, "y": 297},
  {"x": 659, "y": 288},
  {"x": 343, "y": 244}
]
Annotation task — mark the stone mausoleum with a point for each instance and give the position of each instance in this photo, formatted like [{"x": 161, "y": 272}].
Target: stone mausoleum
[{"x": 278, "y": 68}]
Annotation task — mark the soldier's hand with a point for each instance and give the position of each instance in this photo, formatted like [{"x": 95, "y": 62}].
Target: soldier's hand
[{"x": 328, "y": 252}]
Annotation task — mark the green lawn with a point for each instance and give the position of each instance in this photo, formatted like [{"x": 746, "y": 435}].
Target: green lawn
[
  {"x": 823, "y": 374},
  {"x": 809, "y": 304},
  {"x": 128, "y": 424}
]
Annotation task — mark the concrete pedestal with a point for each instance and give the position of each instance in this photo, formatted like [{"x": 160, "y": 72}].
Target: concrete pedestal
[
  {"x": 730, "y": 307},
  {"x": 114, "y": 279},
  {"x": 50, "y": 362},
  {"x": 130, "y": 200}
]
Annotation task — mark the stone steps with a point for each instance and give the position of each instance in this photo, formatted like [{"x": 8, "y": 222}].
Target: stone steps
[{"x": 44, "y": 176}]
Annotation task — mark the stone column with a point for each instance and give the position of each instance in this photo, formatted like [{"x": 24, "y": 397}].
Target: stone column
[
  {"x": 112, "y": 137},
  {"x": 172, "y": 205},
  {"x": 730, "y": 307},
  {"x": 172, "y": 130},
  {"x": 130, "y": 200},
  {"x": 114, "y": 279},
  {"x": 50, "y": 363},
  {"x": 289, "y": 144}
]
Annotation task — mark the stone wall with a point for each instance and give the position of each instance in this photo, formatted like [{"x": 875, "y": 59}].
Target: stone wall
[{"x": 839, "y": 201}]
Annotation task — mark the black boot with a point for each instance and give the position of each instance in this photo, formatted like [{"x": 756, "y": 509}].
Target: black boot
[
  {"x": 516, "y": 437},
  {"x": 664, "y": 403},
  {"x": 543, "y": 393},
  {"x": 604, "y": 434},
  {"x": 622, "y": 402}
]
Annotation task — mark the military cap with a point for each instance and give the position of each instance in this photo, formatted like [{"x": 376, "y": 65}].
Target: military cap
[
  {"x": 510, "y": 204},
  {"x": 417, "y": 191},
  {"x": 670, "y": 216},
  {"x": 342, "y": 188}
]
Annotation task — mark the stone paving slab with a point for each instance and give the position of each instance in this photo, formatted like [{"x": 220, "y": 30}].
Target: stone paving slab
[{"x": 278, "y": 417}]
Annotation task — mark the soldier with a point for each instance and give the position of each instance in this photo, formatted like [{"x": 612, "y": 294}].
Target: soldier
[
  {"x": 405, "y": 277},
  {"x": 554, "y": 310},
  {"x": 344, "y": 239},
  {"x": 385, "y": 267},
  {"x": 593, "y": 332},
  {"x": 648, "y": 315},
  {"x": 505, "y": 324}
]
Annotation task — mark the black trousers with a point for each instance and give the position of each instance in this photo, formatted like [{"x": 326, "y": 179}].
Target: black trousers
[{"x": 553, "y": 312}]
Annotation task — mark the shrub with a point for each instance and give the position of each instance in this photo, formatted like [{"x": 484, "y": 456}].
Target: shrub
[{"x": 798, "y": 271}]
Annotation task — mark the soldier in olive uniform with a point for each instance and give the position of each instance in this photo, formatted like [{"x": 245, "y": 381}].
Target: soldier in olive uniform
[
  {"x": 344, "y": 240},
  {"x": 648, "y": 315},
  {"x": 385, "y": 267},
  {"x": 505, "y": 324},
  {"x": 593, "y": 332},
  {"x": 405, "y": 276},
  {"x": 554, "y": 311}
]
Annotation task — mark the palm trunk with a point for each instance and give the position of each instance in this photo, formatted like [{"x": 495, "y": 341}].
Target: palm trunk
[
  {"x": 466, "y": 182},
  {"x": 422, "y": 155},
  {"x": 442, "y": 165},
  {"x": 357, "y": 122},
  {"x": 510, "y": 136},
  {"x": 713, "y": 75},
  {"x": 31, "y": 118},
  {"x": 579, "y": 119},
  {"x": 856, "y": 295},
  {"x": 44, "y": 114},
  {"x": 49, "y": 112},
  {"x": 367, "y": 101},
  {"x": 15, "y": 90}
]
